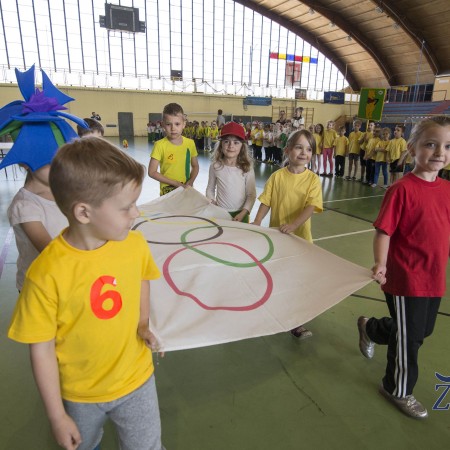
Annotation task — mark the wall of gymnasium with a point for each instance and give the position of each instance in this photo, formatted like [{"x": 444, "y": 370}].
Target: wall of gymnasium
[
  {"x": 109, "y": 102},
  {"x": 441, "y": 90}
]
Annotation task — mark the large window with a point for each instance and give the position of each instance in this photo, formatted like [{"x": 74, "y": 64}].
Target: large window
[{"x": 211, "y": 46}]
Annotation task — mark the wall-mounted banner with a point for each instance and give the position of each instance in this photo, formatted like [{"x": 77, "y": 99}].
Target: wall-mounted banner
[
  {"x": 258, "y": 101},
  {"x": 338, "y": 98}
]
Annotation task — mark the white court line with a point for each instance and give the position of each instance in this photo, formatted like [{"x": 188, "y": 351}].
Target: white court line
[
  {"x": 345, "y": 234},
  {"x": 355, "y": 198}
]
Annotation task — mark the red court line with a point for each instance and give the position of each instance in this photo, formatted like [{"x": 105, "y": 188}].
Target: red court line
[{"x": 5, "y": 249}]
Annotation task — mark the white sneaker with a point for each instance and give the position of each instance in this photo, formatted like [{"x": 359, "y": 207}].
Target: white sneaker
[
  {"x": 373, "y": 185},
  {"x": 366, "y": 346}
]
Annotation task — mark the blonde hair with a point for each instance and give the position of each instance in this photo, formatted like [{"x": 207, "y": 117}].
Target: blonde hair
[
  {"x": 244, "y": 161},
  {"x": 420, "y": 127},
  {"x": 386, "y": 129},
  {"x": 90, "y": 170}
]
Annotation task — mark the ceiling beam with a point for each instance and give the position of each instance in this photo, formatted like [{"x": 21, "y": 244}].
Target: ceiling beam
[{"x": 413, "y": 32}]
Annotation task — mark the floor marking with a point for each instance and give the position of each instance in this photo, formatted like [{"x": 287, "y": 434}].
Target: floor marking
[
  {"x": 345, "y": 234},
  {"x": 5, "y": 249},
  {"x": 355, "y": 198}
]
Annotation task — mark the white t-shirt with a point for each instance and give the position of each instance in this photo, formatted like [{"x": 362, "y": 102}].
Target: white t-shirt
[
  {"x": 29, "y": 207},
  {"x": 232, "y": 189}
]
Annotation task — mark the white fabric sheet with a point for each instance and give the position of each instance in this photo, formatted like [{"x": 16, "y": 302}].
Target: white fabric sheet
[{"x": 223, "y": 281}]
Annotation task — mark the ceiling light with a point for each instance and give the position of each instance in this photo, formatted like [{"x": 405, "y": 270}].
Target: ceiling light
[
  {"x": 332, "y": 24},
  {"x": 311, "y": 11},
  {"x": 349, "y": 38},
  {"x": 396, "y": 25},
  {"x": 379, "y": 9}
]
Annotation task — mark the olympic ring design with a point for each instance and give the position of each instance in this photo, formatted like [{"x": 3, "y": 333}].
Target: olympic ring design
[
  {"x": 203, "y": 305},
  {"x": 194, "y": 244},
  {"x": 214, "y": 225}
]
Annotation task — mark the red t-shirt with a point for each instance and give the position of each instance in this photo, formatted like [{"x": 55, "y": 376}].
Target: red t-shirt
[{"x": 416, "y": 215}]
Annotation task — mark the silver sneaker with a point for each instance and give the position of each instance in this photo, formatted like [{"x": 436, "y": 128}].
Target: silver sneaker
[
  {"x": 366, "y": 346},
  {"x": 407, "y": 405}
]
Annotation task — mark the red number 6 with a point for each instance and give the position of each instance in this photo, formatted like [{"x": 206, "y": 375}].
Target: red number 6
[{"x": 98, "y": 299}]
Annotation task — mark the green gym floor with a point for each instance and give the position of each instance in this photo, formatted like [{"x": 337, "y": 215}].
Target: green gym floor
[{"x": 267, "y": 393}]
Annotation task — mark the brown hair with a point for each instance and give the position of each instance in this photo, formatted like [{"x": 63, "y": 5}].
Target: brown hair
[
  {"x": 244, "y": 160},
  {"x": 294, "y": 137},
  {"x": 420, "y": 127},
  {"x": 94, "y": 125},
  {"x": 173, "y": 109},
  {"x": 90, "y": 170}
]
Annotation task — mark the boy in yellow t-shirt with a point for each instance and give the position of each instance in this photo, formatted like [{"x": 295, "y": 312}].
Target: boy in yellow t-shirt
[
  {"x": 340, "y": 151},
  {"x": 353, "y": 150},
  {"x": 362, "y": 148},
  {"x": 85, "y": 304},
  {"x": 206, "y": 137},
  {"x": 396, "y": 149},
  {"x": 381, "y": 156},
  {"x": 175, "y": 155}
]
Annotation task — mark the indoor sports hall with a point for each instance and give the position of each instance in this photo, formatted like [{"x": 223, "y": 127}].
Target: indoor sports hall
[{"x": 275, "y": 391}]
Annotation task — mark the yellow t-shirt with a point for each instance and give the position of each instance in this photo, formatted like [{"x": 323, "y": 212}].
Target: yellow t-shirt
[
  {"x": 367, "y": 136},
  {"x": 341, "y": 145},
  {"x": 319, "y": 141},
  {"x": 257, "y": 136},
  {"x": 89, "y": 303},
  {"x": 395, "y": 148},
  {"x": 199, "y": 132},
  {"x": 353, "y": 142},
  {"x": 214, "y": 133},
  {"x": 370, "y": 147},
  {"x": 288, "y": 194},
  {"x": 328, "y": 138},
  {"x": 174, "y": 160},
  {"x": 380, "y": 156}
]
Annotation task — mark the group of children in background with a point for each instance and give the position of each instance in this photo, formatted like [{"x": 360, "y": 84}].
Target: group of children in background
[
  {"x": 373, "y": 150},
  {"x": 96, "y": 231}
]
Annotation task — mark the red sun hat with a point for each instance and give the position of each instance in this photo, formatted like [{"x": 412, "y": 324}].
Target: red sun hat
[{"x": 232, "y": 129}]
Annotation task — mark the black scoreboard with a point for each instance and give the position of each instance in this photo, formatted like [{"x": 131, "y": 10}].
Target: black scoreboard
[{"x": 122, "y": 18}]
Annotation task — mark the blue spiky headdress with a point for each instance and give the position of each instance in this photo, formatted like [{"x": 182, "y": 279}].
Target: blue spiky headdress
[{"x": 36, "y": 125}]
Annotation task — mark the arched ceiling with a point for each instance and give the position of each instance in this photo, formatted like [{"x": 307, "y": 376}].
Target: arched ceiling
[{"x": 373, "y": 43}]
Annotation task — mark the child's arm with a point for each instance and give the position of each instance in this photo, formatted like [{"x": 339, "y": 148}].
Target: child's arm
[
  {"x": 153, "y": 173},
  {"x": 194, "y": 171},
  {"x": 239, "y": 217},
  {"x": 250, "y": 196},
  {"x": 211, "y": 186},
  {"x": 380, "y": 251},
  {"x": 143, "y": 330},
  {"x": 37, "y": 234},
  {"x": 299, "y": 221},
  {"x": 46, "y": 374},
  {"x": 262, "y": 212},
  {"x": 402, "y": 158}
]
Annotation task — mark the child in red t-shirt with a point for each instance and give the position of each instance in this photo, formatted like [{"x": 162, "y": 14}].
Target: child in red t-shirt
[{"x": 411, "y": 248}]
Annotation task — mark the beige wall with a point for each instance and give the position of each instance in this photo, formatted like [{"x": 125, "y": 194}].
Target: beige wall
[
  {"x": 441, "y": 90},
  {"x": 109, "y": 102}
]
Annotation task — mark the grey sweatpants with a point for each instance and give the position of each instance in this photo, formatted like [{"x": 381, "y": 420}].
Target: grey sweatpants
[{"x": 136, "y": 417}]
